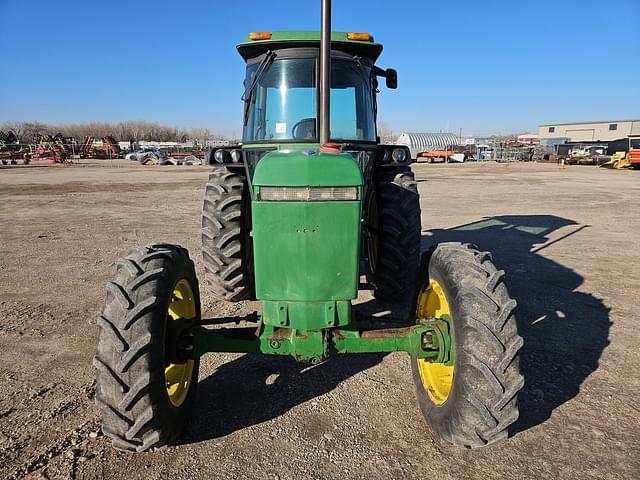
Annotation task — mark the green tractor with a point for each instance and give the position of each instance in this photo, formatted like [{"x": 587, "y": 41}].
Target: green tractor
[{"x": 292, "y": 217}]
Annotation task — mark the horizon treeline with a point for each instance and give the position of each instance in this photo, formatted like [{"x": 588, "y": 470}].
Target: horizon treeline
[{"x": 134, "y": 131}]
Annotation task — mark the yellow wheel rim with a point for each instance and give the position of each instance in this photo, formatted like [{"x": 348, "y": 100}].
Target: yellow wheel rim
[
  {"x": 437, "y": 378},
  {"x": 177, "y": 376}
]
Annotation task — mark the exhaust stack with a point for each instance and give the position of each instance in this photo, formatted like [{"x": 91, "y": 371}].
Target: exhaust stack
[{"x": 325, "y": 70}]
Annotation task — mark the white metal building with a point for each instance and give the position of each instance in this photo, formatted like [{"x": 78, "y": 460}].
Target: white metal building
[
  {"x": 590, "y": 131},
  {"x": 423, "y": 142},
  {"x": 528, "y": 139}
]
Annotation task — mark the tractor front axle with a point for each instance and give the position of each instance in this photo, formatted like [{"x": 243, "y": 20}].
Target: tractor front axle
[{"x": 429, "y": 339}]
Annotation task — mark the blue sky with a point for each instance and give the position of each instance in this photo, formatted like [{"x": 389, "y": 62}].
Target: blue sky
[{"x": 492, "y": 66}]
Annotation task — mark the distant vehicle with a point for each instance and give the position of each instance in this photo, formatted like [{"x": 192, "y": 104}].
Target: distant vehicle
[
  {"x": 448, "y": 155},
  {"x": 626, "y": 156},
  {"x": 134, "y": 154},
  {"x": 586, "y": 154}
]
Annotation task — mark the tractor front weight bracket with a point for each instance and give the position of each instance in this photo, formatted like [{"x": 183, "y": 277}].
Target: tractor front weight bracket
[{"x": 429, "y": 339}]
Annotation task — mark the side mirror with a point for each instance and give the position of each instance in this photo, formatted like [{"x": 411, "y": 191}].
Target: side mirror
[{"x": 391, "y": 76}]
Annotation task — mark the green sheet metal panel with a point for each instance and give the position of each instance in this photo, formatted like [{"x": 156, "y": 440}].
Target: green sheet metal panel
[
  {"x": 306, "y": 251},
  {"x": 299, "y": 169}
]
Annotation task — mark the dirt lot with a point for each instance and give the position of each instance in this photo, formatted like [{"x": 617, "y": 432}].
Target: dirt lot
[{"x": 568, "y": 240}]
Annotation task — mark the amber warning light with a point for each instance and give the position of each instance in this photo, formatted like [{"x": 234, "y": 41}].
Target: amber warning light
[
  {"x": 260, "y": 36},
  {"x": 362, "y": 36}
]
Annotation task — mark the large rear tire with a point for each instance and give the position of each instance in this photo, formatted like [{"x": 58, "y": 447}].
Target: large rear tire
[
  {"x": 145, "y": 382},
  {"x": 227, "y": 249},
  {"x": 393, "y": 218},
  {"x": 473, "y": 402}
]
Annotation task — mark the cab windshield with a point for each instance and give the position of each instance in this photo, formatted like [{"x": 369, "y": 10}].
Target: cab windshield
[
  {"x": 634, "y": 143},
  {"x": 283, "y": 105}
]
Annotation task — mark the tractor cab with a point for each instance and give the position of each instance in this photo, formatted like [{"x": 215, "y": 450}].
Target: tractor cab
[
  {"x": 281, "y": 90},
  {"x": 282, "y": 97}
]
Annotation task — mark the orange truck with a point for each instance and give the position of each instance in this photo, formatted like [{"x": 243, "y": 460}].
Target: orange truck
[
  {"x": 626, "y": 159},
  {"x": 633, "y": 155}
]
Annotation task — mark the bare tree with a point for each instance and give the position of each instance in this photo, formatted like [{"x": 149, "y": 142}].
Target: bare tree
[
  {"x": 16, "y": 127},
  {"x": 385, "y": 133},
  {"x": 33, "y": 131},
  {"x": 135, "y": 131},
  {"x": 201, "y": 135}
]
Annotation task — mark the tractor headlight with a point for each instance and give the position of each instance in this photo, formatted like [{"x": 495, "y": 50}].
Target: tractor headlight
[
  {"x": 220, "y": 155},
  {"x": 236, "y": 156},
  {"x": 399, "y": 155},
  {"x": 307, "y": 194}
]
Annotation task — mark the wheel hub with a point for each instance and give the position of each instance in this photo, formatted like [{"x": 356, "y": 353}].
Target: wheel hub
[
  {"x": 437, "y": 378},
  {"x": 178, "y": 371}
]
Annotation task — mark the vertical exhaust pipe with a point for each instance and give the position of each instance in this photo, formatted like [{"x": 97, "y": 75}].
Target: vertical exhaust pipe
[{"x": 325, "y": 70}]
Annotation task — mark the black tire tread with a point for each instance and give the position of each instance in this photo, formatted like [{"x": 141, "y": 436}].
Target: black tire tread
[
  {"x": 129, "y": 361},
  {"x": 399, "y": 233},
  {"x": 482, "y": 403},
  {"x": 223, "y": 236}
]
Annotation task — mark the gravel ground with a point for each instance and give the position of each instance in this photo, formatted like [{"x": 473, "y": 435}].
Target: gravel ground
[{"x": 568, "y": 240}]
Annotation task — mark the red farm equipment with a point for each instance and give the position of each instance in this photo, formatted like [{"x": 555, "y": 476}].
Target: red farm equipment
[
  {"x": 187, "y": 153},
  {"x": 85, "y": 148},
  {"x": 56, "y": 148},
  {"x": 108, "y": 150}
]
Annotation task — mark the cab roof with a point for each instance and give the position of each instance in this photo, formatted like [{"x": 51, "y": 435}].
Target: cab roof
[{"x": 308, "y": 38}]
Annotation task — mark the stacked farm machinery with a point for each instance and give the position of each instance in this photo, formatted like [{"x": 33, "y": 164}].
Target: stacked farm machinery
[
  {"x": 11, "y": 151},
  {"x": 187, "y": 156},
  {"x": 108, "y": 150},
  {"x": 56, "y": 148}
]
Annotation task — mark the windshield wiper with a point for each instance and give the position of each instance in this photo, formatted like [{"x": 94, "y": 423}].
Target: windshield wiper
[
  {"x": 373, "y": 80},
  {"x": 261, "y": 70}
]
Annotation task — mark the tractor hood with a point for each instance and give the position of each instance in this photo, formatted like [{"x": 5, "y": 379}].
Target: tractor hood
[
  {"x": 302, "y": 169},
  {"x": 306, "y": 237}
]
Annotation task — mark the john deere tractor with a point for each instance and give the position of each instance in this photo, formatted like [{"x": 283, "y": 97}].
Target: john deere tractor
[{"x": 293, "y": 217}]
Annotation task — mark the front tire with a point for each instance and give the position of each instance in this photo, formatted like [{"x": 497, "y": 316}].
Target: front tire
[
  {"x": 145, "y": 382},
  {"x": 473, "y": 402}
]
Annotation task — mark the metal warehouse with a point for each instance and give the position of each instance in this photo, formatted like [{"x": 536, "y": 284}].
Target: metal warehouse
[
  {"x": 422, "y": 142},
  {"x": 590, "y": 131}
]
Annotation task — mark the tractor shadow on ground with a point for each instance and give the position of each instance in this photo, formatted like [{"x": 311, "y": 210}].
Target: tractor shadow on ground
[
  {"x": 256, "y": 388},
  {"x": 565, "y": 331}
]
